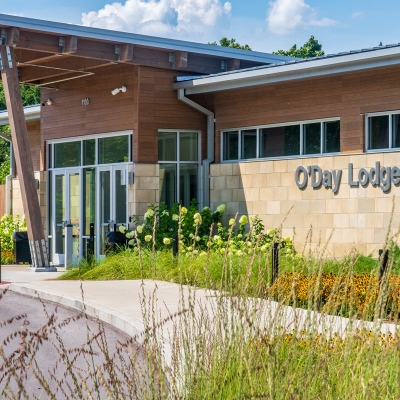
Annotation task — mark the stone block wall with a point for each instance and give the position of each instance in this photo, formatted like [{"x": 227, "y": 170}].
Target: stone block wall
[
  {"x": 145, "y": 190},
  {"x": 354, "y": 216},
  {"x": 17, "y": 207}
]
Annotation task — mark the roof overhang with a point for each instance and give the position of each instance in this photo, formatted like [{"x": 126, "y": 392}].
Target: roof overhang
[
  {"x": 52, "y": 52},
  {"x": 289, "y": 71},
  {"x": 31, "y": 113},
  {"x": 141, "y": 40}
]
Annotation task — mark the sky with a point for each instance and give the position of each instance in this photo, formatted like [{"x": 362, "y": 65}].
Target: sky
[{"x": 264, "y": 25}]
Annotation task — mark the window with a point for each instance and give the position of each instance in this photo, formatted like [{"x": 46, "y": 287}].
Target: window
[
  {"x": 383, "y": 131},
  {"x": 313, "y": 137},
  {"x": 178, "y": 156},
  {"x": 88, "y": 151},
  {"x": 67, "y": 154},
  {"x": 114, "y": 149}
]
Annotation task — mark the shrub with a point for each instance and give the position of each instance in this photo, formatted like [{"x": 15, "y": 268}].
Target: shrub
[
  {"x": 201, "y": 230},
  {"x": 8, "y": 225}
]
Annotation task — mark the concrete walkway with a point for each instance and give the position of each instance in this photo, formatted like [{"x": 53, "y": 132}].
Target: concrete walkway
[{"x": 127, "y": 305}]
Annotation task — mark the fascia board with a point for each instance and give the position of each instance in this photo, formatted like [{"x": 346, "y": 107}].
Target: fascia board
[
  {"x": 293, "y": 71},
  {"x": 31, "y": 113},
  {"x": 142, "y": 40}
]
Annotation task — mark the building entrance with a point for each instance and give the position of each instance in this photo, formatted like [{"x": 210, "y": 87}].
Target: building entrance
[{"x": 84, "y": 196}]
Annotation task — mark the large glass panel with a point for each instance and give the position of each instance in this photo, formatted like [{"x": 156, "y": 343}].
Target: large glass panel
[
  {"x": 167, "y": 146},
  {"x": 188, "y": 183},
  {"x": 332, "y": 137},
  {"x": 312, "y": 138},
  {"x": 120, "y": 197},
  {"x": 74, "y": 209},
  {"x": 168, "y": 184},
  {"x": 89, "y": 152},
  {"x": 114, "y": 149},
  {"x": 67, "y": 154},
  {"x": 378, "y": 132},
  {"x": 188, "y": 146},
  {"x": 249, "y": 144},
  {"x": 59, "y": 213},
  {"x": 396, "y": 130},
  {"x": 89, "y": 198},
  {"x": 280, "y": 141},
  {"x": 104, "y": 198},
  {"x": 231, "y": 145}
]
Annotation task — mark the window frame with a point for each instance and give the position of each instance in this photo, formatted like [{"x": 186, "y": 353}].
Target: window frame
[
  {"x": 277, "y": 125},
  {"x": 177, "y": 162},
  {"x": 51, "y": 142},
  {"x": 390, "y": 115}
]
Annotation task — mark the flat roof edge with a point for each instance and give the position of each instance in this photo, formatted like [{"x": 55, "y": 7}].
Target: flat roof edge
[
  {"x": 290, "y": 71},
  {"x": 30, "y": 112}
]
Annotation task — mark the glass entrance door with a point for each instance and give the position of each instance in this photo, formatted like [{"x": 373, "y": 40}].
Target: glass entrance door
[
  {"x": 67, "y": 210},
  {"x": 112, "y": 202}
]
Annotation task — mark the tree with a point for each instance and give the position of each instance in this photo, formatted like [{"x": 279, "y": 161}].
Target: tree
[
  {"x": 311, "y": 48},
  {"x": 30, "y": 96},
  {"x": 232, "y": 43}
]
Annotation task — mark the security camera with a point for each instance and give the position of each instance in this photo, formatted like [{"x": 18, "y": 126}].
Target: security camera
[
  {"x": 117, "y": 90},
  {"x": 48, "y": 102}
]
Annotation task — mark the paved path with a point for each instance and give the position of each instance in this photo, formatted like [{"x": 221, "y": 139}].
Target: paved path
[
  {"x": 22, "y": 274},
  {"x": 64, "y": 336},
  {"x": 134, "y": 305}
]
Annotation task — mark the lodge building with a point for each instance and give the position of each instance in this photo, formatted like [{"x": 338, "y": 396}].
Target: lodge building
[{"x": 127, "y": 120}]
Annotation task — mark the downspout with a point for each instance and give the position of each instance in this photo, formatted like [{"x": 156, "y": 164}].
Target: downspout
[{"x": 210, "y": 144}]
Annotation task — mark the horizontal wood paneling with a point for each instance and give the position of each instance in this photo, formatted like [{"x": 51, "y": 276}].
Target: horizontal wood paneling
[
  {"x": 35, "y": 144},
  {"x": 347, "y": 96},
  {"x": 159, "y": 108},
  {"x": 105, "y": 113}
]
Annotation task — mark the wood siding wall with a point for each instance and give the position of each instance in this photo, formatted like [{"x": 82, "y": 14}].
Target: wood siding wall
[
  {"x": 148, "y": 105},
  {"x": 159, "y": 108},
  {"x": 36, "y": 145},
  {"x": 67, "y": 117},
  {"x": 347, "y": 96}
]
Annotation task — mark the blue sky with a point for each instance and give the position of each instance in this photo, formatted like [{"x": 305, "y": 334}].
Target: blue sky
[{"x": 264, "y": 25}]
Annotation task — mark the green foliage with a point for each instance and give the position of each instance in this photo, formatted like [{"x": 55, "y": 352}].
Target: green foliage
[
  {"x": 4, "y": 169},
  {"x": 225, "y": 42},
  {"x": 30, "y": 96},
  {"x": 8, "y": 225},
  {"x": 195, "y": 229},
  {"x": 311, "y": 48}
]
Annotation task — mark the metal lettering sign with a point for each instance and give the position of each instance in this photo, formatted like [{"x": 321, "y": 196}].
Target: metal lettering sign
[
  {"x": 85, "y": 102},
  {"x": 382, "y": 177}
]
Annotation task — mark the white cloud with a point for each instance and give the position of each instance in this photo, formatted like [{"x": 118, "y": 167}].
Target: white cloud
[
  {"x": 184, "y": 19},
  {"x": 357, "y": 14},
  {"x": 288, "y": 16}
]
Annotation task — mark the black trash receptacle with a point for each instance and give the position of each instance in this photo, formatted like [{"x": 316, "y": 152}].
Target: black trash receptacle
[
  {"x": 115, "y": 239},
  {"x": 22, "y": 251}
]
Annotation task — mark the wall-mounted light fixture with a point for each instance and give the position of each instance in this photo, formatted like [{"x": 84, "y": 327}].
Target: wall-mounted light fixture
[
  {"x": 117, "y": 90},
  {"x": 48, "y": 102}
]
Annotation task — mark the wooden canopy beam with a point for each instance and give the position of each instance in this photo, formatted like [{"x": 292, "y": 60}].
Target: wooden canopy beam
[
  {"x": 46, "y": 70},
  {"x": 19, "y": 134},
  {"x": 39, "y": 47}
]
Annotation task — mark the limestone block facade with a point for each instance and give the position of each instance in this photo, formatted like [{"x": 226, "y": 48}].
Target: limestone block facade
[{"x": 354, "y": 216}]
